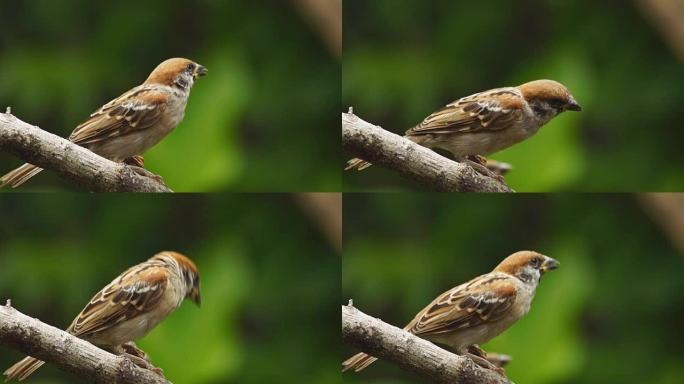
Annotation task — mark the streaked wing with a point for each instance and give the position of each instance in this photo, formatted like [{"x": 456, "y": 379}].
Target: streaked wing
[
  {"x": 492, "y": 110},
  {"x": 135, "y": 291},
  {"x": 486, "y": 298},
  {"x": 137, "y": 109}
]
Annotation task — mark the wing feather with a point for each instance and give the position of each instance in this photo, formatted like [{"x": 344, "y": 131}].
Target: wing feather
[
  {"x": 123, "y": 299},
  {"x": 484, "y": 299},
  {"x": 488, "y": 111},
  {"x": 137, "y": 109}
]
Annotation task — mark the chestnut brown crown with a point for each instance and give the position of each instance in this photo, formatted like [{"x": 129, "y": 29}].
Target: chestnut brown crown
[
  {"x": 170, "y": 71},
  {"x": 550, "y": 92}
]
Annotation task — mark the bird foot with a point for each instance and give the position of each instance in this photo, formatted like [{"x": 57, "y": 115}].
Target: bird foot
[
  {"x": 498, "y": 359},
  {"x": 477, "y": 351},
  {"x": 132, "y": 349},
  {"x": 483, "y": 362},
  {"x": 144, "y": 172},
  {"x": 482, "y": 169},
  {"x": 143, "y": 363}
]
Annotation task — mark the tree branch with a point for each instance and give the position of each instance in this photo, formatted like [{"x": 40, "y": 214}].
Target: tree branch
[
  {"x": 68, "y": 352},
  {"x": 72, "y": 161},
  {"x": 374, "y": 144},
  {"x": 411, "y": 352}
]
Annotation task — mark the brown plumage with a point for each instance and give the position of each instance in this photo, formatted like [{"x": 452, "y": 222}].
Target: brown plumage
[
  {"x": 129, "y": 125},
  {"x": 477, "y": 311},
  {"x": 489, "y": 121},
  {"x": 130, "y": 306}
]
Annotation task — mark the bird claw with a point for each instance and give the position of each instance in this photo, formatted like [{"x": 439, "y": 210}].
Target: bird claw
[
  {"x": 482, "y": 169},
  {"x": 132, "y": 349},
  {"x": 482, "y": 361},
  {"x": 144, "y": 172},
  {"x": 143, "y": 363}
]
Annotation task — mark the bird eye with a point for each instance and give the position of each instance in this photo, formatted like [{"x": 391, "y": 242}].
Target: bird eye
[
  {"x": 539, "y": 110},
  {"x": 556, "y": 103},
  {"x": 190, "y": 67},
  {"x": 535, "y": 261}
]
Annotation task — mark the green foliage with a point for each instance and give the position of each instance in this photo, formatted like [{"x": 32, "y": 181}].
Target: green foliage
[
  {"x": 260, "y": 279},
  {"x": 404, "y": 59},
  {"x": 608, "y": 314},
  {"x": 262, "y": 120}
]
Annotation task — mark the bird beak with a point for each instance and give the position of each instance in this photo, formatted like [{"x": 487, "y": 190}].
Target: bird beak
[
  {"x": 573, "y": 105},
  {"x": 549, "y": 264},
  {"x": 199, "y": 71}
]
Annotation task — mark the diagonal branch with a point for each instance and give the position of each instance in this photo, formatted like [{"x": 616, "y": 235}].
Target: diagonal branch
[
  {"x": 374, "y": 144},
  {"x": 411, "y": 352},
  {"x": 68, "y": 352},
  {"x": 73, "y": 162}
]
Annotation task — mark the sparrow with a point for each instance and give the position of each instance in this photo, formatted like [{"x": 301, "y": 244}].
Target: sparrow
[
  {"x": 129, "y": 307},
  {"x": 489, "y": 121},
  {"x": 126, "y": 127},
  {"x": 477, "y": 311}
]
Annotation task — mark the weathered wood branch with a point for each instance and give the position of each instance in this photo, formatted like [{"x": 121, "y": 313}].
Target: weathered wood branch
[
  {"x": 68, "y": 352},
  {"x": 72, "y": 162},
  {"x": 372, "y": 143},
  {"x": 410, "y": 352}
]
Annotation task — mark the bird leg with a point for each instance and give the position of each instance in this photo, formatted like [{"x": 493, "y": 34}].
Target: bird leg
[
  {"x": 476, "y": 350},
  {"x": 132, "y": 349},
  {"x": 498, "y": 359}
]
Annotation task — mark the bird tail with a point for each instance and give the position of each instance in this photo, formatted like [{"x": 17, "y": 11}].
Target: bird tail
[
  {"x": 358, "y": 362},
  {"x": 23, "y": 369},
  {"x": 19, "y": 176},
  {"x": 357, "y": 164}
]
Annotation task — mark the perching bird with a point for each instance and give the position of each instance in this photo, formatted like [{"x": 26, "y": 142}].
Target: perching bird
[
  {"x": 126, "y": 127},
  {"x": 489, "y": 121},
  {"x": 477, "y": 311},
  {"x": 129, "y": 307}
]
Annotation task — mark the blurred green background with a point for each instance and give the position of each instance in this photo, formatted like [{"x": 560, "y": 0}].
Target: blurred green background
[
  {"x": 268, "y": 279},
  {"x": 262, "y": 120},
  {"x": 610, "y": 314},
  {"x": 404, "y": 59}
]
